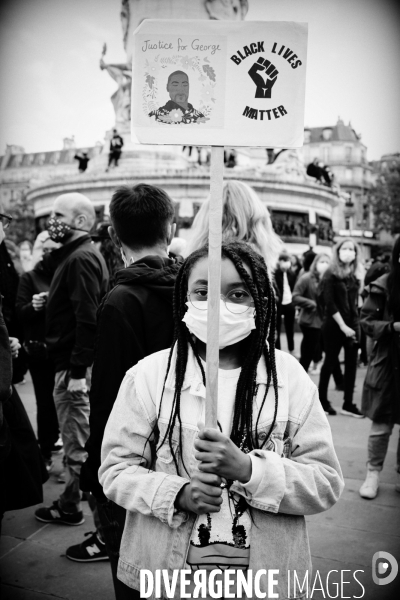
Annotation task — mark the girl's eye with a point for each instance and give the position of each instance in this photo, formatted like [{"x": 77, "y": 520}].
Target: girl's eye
[
  {"x": 202, "y": 293},
  {"x": 239, "y": 295}
]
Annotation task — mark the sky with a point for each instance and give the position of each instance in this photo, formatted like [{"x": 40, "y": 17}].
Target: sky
[{"x": 51, "y": 86}]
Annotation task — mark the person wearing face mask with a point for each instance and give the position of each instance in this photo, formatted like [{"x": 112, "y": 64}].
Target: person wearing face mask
[
  {"x": 285, "y": 280},
  {"x": 236, "y": 495},
  {"x": 134, "y": 320},
  {"x": 339, "y": 291},
  {"x": 305, "y": 297},
  {"x": 79, "y": 283},
  {"x": 30, "y": 305}
]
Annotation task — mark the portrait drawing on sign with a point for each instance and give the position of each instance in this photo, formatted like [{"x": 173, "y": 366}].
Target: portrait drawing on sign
[{"x": 178, "y": 110}]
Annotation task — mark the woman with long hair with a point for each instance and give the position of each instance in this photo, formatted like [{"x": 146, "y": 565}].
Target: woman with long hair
[
  {"x": 245, "y": 219},
  {"x": 339, "y": 291},
  {"x": 198, "y": 497},
  {"x": 305, "y": 297},
  {"x": 380, "y": 319}
]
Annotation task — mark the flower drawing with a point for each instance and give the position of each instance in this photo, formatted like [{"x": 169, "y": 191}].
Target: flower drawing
[
  {"x": 187, "y": 62},
  {"x": 207, "y": 93},
  {"x": 176, "y": 115}
]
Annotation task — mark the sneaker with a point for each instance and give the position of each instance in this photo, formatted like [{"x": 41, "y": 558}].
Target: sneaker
[
  {"x": 58, "y": 446},
  {"x": 370, "y": 487},
  {"x": 54, "y": 514},
  {"x": 328, "y": 408},
  {"x": 352, "y": 411},
  {"x": 91, "y": 550}
]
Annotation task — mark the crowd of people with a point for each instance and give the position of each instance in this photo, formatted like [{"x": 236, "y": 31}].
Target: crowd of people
[{"x": 112, "y": 324}]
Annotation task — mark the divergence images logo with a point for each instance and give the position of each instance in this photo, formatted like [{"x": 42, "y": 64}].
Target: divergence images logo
[
  {"x": 264, "y": 75},
  {"x": 384, "y": 564}
]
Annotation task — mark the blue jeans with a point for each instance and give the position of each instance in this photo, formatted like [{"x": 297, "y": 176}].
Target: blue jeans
[
  {"x": 73, "y": 418},
  {"x": 378, "y": 442}
]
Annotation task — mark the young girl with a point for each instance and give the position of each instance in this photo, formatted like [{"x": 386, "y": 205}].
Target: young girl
[
  {"x": 339, "y": 289},
  {"x": 202, "y": 498}
]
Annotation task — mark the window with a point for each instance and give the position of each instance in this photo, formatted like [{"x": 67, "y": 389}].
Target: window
[
  {"x": 348, "y": 175},
  {"x": 326, "y": 154},
  {"x": 348, "y": 153},
  {"x": 327, "y": 134}
]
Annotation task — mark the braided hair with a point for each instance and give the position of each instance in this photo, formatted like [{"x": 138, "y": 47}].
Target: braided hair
[{"x": 261, "y": 342}]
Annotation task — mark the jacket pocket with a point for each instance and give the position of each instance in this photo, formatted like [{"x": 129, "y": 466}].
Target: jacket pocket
[{"x": 164, "y": 453}]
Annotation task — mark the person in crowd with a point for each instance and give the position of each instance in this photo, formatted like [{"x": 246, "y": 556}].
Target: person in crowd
[
  {"x": 134, "y": 320},
  {"x": 308, "y": 258},
  {"x": 296, "y": 264},
  {"x": 78, "y": 285},
  {"x": 285, "y": 280},
  {"x": 380, "y": 319},
  {"x": 305, "y": 297},
  {"x": 116, "y": 144},
  {"x": 339, "y": 290},
  {"x": 9, "y": 280},
  {"x": 37, "y": 251},
  {"x": 111, "y": 254},
  {"x": 208, "y": 496},
  {"x": 25, "y": 255},
  {"x": 83, "y": 161},
  {"x": 379, "y": 267},
  {"x": 30, "y": 305},
  {"x": 244, "y": 218},
  {"x": 22, "y": 471}
]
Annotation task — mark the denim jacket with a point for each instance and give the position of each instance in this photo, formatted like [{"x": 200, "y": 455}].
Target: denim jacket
[{"x": 300, "y": 472}]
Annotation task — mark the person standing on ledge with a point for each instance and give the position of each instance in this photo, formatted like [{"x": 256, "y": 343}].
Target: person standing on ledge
[{"x": 116, "y": 144}]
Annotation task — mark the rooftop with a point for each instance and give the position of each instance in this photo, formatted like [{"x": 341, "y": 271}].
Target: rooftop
[{"x": 332, "y": 133}]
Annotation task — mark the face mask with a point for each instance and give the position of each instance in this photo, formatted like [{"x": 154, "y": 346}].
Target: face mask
[
  {"x": 58, "y": 230},
  {"x": 322, "y": 267},
  {"x": 233, "y": 327},
  {"x": 347, "y": 256}
]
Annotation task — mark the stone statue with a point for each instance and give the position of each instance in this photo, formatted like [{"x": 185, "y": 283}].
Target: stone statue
[{"x": 121, "y": 99}]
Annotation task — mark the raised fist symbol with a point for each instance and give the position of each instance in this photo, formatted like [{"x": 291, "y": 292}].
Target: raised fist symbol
[{"x": 258, "y": 71}]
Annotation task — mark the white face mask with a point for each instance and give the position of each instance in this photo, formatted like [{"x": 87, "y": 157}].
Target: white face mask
[
  {"x": 322, "y": 267},
  {"x": 233, "y": 327},
  {"x": 346, "y": 255}
]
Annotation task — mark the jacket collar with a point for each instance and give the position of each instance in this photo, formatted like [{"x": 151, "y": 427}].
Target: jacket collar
[{"x": 193, "y": 378}]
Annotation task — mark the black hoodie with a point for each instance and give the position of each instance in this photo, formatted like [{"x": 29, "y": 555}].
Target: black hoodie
[{"x": 133, "y": 321}]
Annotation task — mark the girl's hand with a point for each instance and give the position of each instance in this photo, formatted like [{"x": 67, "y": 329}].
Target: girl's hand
[
  {"x": 202, "y": 495},
  {"x": 348, "y": 331},
  {"x": 219, "y": 455}
]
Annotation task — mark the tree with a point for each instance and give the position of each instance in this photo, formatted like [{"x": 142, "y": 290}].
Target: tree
[
  {"x": 385, "y": 199},
  {"x": 22, "y": 226}
]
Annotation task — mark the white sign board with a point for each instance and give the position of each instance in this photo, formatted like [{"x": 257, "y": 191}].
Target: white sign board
[{"x": 222, "y": 83}]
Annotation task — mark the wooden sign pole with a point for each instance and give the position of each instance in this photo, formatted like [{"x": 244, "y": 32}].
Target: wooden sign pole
[{"x": 214, "y": 283}]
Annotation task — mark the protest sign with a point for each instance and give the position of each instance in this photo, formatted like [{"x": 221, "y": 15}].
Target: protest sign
[{"x": 219, "y": 83}]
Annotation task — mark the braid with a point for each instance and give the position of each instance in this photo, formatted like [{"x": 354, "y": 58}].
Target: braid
[{"x": 261, "y": 343}]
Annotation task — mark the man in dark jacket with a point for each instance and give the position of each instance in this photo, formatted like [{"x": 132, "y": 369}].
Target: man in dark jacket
[
  {"x": 134, "y": 320},
  {"x": 78, "y": 285},
  {"x": 285, "y": 280}
]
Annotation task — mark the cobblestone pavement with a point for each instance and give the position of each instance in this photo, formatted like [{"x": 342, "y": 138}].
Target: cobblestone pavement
[{"x": 342, "y": 540}]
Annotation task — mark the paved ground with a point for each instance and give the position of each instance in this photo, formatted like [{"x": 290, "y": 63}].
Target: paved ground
[{"x": 343, "y": 540}]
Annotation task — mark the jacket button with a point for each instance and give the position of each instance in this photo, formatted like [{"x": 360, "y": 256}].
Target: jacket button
[{"x": 262, "y": 435}]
